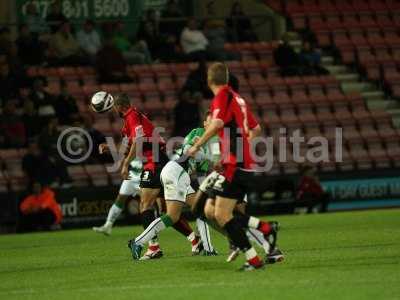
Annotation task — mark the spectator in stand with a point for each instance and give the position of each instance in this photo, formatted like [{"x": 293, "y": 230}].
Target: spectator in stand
[
  {"x": 48, "y": 146},
  {"x": 193, "y": 42},
  {"x": 55, "y": 18},
  {"x": 44, "y": 102},
  {"x": 216, "y": 36},
  {"x": 66, "y": 48},
  {"x": 65, "y": 106},
  {"x": 31, "y": 119},
  {"x": 239, "y": 25},
  {"x": 133, "y": 54},
  {"x": 12, "y": 126},
  {"x": 35, "y": 23},
  {"x": 197, "y": 81},
  {"x": 6, "y": 42},
  {"x": 111, "y": 64},
  {"x": 36, "y": 166},
  {"x": 311, "y": 60},
  {"x": 89, "y": 39},
  {"x": 310, "y": 193},
  {"x": 149, "y": 34},
  {"x": 9, "y": 82},
  {"x": 97, "y": 138},
  {"x": 30, "y": 50},
  {"x": 172, "y": 28},
  {"x": 39, "y": 210},
  {"x": 186, "y": 114},
  {"x": 286, "y": 58}
]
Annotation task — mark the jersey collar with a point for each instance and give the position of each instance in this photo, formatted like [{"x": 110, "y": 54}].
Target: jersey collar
[{"x": 129, "y": 111}]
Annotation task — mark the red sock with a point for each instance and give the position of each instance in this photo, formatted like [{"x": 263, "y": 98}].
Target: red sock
[
  {"x": 154, "y": 247},
  {"x": 255, "y": 261},
  {"x": 183, "y": 227},
  {"x": 264, "y": 227}
]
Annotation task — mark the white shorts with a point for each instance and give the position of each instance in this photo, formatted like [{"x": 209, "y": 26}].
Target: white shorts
[
  {"x": 176, "y": 182},
  {"x": 130, "y": 187}
]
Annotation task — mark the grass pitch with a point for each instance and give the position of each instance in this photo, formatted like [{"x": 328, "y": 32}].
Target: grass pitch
[{"x": 353, "y": 255}]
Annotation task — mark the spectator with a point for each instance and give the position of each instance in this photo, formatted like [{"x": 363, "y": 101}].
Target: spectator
[
  {"x": 30, "y": 49},
  {"x": 216, "y": 36},
  {"x": 55, "y": 18},
  {"x": 149, "y": 34},
  {"x": 97, "y": 138},
  {"x": 111, "y": 64},
  {"x": 36, "y": 166},
  {"x": 286, "y": 58},
  {"x": 12, "y": 126},
  {"x": 89, "y": 39},
  {"x": 31, "y": 119},
  {"x": 6, "y": 43},
  {"x": 66, "y": 48},
  {"x": 48, "y": 146},
  {"x": 193, "y": 42},
  {"x": 39, "y": 210},
  {"x": 186, "y": 114},
  {"x": 9, "y": 81},
  {"x": 35, "y": 23},
  {"x": 44, "y": 102},
  {"x": 65, "y": 106},
  {"x": 310, "y": 192},
  {"x": 171, "y": 28},
  {"x": 311, "y": 60},
  {"x": 197, "y": 81},
  {"x": 133, "y": 54},
  {"x": 239, "y": 25}
]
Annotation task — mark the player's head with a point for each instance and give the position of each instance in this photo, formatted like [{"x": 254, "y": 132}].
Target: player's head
[
  {"x": 217, "y": 75},
  {"x": 122, "y": 103},
  {"x": 207, "y": 119}
]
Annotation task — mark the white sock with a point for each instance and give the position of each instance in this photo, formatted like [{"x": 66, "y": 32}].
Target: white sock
[
  {"x": 113, "y": 215},
  {"x": 258, "y": 237},
  {"x": 253, "y": 222},
  {"x": 150, "y": 232},
  {"x": 204, "y": 232},
  {"x": 191, "y": 237},
  {"x": 250, "y": 254}
]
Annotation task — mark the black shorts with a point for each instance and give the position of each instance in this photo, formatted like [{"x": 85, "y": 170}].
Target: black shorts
[
  {"x": 242, "y": 183},
  {"x": 150, "y": 178}
]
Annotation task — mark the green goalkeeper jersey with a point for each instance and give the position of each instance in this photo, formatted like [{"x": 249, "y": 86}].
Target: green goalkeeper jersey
[{"x": 209, "y": 153}]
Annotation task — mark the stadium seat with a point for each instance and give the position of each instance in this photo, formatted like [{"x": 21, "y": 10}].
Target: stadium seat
[
  {"x": 78, "y": 175},
  {"x": 97, "y": 174}
]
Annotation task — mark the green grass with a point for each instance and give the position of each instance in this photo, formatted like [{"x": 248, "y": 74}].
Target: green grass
[{"x": 334, "y": 256}]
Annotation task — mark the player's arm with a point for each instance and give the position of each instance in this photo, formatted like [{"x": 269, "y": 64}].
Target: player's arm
[
  {"x": 128, "y": 159},
  {"x": 212, "y": 129},
  {"x": 254, "y": 127}
]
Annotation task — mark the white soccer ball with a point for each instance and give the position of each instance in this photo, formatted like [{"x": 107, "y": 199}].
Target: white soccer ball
[{"x": 101, "y": 102}]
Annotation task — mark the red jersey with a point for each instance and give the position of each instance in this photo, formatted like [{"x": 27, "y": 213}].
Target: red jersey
[
  {"x": 137, "y": 125},
  {"x": 309, "y": 185},
  {"x": 229, "y": 107}
]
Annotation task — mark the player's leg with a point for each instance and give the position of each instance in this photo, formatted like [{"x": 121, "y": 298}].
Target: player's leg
[
  {"x": 128, "y": 188},
  {"x": 203, "y": 229}
]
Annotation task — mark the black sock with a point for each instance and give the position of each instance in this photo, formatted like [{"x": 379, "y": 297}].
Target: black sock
[
  {"x": 237, "y": 235},
  {"x": 243, "y": 219},
  {"x": 147, "y": 217}
]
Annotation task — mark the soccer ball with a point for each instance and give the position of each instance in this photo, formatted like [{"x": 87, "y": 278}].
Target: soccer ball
[{"x": 101, "y": 102}]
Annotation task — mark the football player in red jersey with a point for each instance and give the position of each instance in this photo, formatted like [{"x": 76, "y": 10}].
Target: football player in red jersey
[
  {"x": 235, "y": 124},
  {"x": 146, "y": 144}
]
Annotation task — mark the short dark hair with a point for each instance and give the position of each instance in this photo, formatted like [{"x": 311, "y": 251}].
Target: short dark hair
[{"x": 122, "y": 100}]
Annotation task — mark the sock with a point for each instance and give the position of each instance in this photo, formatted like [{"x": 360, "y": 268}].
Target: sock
[
  {"x": 183, "y": 227},
  {"x": 237, "y": 235},
  {"x": 253, "y": 222},
  {"x": 259, "y": 238},
  {"x": 204, "y": 231},
  {"x": 252, "y": 257},
  {"x": 113, "y": 214},
  {"x": 153, "y": 229},
  {"x": 192, "y": 238},
  {"x": 147, "y": 217}
]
